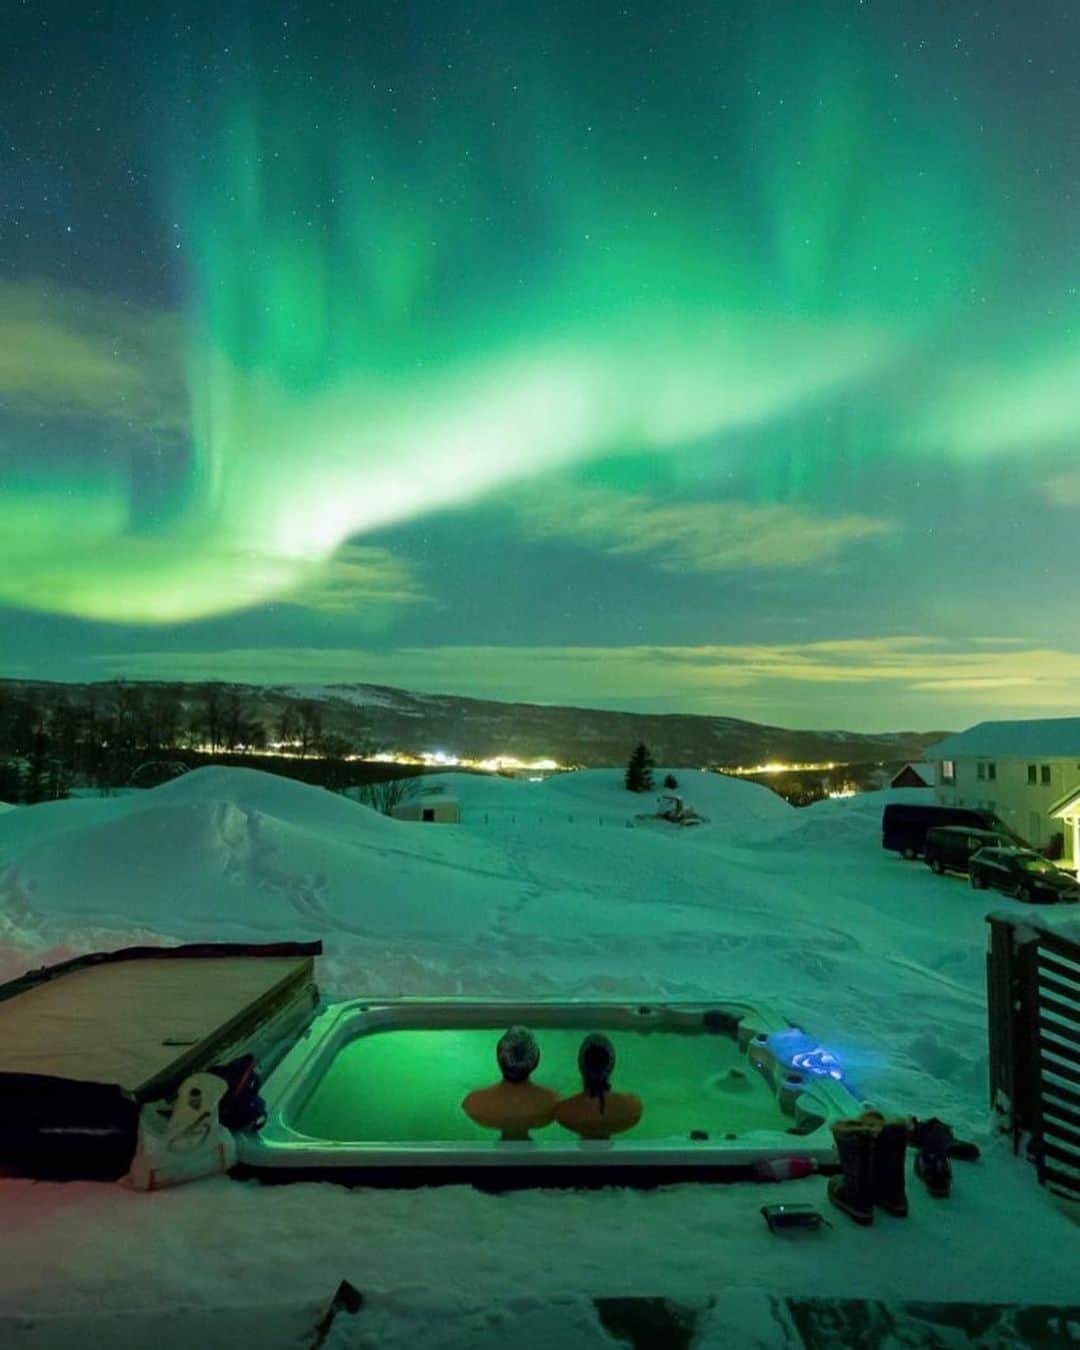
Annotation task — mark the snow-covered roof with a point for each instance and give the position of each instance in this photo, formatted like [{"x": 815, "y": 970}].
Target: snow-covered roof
[
  {"x": 1048, "y": 737},
  {"x": 925, "y": 770}
]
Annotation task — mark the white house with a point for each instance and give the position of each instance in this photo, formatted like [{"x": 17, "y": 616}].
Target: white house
[{"x": 1027, "y": 773}]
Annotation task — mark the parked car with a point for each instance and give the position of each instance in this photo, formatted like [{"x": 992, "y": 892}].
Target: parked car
[
  {"x": 949, "y": 848},
  {"x": 1023, "y": 873},
  {"x": 904, "y": 825}
]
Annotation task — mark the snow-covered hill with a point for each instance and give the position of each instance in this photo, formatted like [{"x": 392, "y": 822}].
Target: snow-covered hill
[{"x": 384, "y": 717}]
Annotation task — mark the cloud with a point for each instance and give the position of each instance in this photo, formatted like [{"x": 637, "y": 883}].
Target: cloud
[
  {"x": 884, "y": 681},
  {"x": 1063, "y": 489},
  {"x": 713, "y": 536},
  {"x": 76, "y": 354},
  {"x": 358, "y": 577}
]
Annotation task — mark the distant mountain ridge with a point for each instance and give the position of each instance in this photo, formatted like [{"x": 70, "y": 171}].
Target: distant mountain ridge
[{"x": 382, "y": 717}]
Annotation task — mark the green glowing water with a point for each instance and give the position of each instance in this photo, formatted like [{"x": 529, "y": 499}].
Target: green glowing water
[{"x": 407, "y": 1086}]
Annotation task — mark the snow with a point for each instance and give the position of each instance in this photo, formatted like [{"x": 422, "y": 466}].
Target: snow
[
  {"x": 1048, "y": 737},
  {"x": 543, "y": 889}
]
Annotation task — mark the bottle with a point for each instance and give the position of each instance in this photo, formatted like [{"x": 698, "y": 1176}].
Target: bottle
[{"x": 783, "y": 1169}]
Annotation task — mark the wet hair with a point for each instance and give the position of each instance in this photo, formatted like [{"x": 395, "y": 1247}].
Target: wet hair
[
  {"x": 596, "y": 1060},
  {"x": 517, "y": 1053}
]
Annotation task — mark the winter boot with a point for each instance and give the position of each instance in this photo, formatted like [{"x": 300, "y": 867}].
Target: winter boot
[
  {"x": 890, "y": 1159},
  {"x": 853, "y": 1190},
  {"x": 932, "y": 1138},
  {"x": 962, "y": 1150}
]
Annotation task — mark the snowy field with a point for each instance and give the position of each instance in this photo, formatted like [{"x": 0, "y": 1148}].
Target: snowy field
[{"x": 544, "y": 889}]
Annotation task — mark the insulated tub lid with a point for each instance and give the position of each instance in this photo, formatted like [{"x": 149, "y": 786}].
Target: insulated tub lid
[{"x": 133, "y": 1018}]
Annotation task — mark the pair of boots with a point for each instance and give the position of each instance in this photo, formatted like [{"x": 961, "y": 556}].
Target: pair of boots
[{"x": 873, "y": 1152}]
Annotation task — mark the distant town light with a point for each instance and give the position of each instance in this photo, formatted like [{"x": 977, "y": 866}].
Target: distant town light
[{"x": 777, "y": 766}]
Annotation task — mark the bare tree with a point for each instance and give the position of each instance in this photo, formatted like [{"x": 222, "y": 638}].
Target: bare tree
[
  {"x": 310, "y": 727},
  {"x": 391, "y": 792}
]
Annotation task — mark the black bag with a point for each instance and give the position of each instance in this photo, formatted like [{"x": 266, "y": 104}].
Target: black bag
[
  {"x": 241, "y": 1108},
  {"x": 62, "y": 1129}
]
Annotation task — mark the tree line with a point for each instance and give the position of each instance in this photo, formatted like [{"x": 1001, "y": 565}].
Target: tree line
[{"x": 56, "y": 738}]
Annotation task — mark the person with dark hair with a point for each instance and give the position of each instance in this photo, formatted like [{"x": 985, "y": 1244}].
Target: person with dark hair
[
  {"x": 514, "y": 1105},
  {"x": 596, "y": 1112}
]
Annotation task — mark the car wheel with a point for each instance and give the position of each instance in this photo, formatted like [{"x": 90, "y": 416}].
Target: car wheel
[
  {"x": 978, "y": 883},
  {"x": 935, "y": 866},
  {"x": 907, "y": 853}
]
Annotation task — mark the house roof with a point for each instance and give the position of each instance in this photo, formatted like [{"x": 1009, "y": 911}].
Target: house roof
[
  {"x": 1066, "y": 804},
  {"x": 1048, "y": 737},
  {"x": 924, "y": 768}
]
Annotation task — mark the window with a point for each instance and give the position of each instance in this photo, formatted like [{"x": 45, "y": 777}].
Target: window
[
  {"x": 991, "y": 771},
  {"x": 980, "y": 770},
  {"x": 948, "y": 771},
  {"x": 1045, "y": 772},
  {"x": 1033, "y": 773},
  {"x": 428, "y": 813}
]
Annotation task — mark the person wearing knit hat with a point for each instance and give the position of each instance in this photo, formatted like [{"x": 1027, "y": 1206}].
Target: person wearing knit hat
[{"x": 514, "y": 1105}]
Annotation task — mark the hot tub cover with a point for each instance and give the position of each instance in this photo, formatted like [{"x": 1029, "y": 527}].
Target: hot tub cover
[{"x": 83, "y": 1044}]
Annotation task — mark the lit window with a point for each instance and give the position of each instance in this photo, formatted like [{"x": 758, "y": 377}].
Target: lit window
[
  {"x": 948, "y": 771},
  {"x": 1033, "y": 773}
]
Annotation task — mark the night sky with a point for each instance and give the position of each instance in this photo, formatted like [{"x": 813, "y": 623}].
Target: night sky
[{"x": 714, "y": 357}]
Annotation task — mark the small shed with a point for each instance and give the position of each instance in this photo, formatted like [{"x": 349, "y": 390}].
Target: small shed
[
  {"x": 435, "y": 807},
  {"x": 914, "y": 775}
]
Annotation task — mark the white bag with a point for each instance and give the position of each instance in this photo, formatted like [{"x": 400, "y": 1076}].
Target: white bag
[{"x": 185, "y": 1143}]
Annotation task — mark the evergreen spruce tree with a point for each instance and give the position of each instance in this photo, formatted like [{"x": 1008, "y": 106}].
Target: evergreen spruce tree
[
  {"x": 639, "y": 770},
  {"x": 10, "y": 781}
]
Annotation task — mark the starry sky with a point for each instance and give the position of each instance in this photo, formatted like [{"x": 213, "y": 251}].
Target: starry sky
[{"x": 715, "y": 357}]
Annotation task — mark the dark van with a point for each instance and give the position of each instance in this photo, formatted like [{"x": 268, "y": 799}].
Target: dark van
[
  {"x": 904, "y": 826},
  {"x": 948, "y": 847}
]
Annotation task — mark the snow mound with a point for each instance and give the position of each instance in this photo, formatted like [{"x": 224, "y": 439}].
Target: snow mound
[
  {"x": 228, "y": 853},
  {"x": 843, "y": 822},
  {"x": 734, "y": 808},
  {"x": 273, "y": 795}
]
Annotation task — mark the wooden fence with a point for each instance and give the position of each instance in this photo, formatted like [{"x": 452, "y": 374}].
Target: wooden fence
[{"x": 1033, "y": 1003}]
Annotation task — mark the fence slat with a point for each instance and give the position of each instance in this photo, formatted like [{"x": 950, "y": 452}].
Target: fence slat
[
  {"x": 1066, "y": 1155},
  {"x": 1071, "y": 1118},
  {"x": 1048, "y": 963},
  {"x": 1059, "y": 1070},
  {"x": 1066, "y": 1033},
  {"x": 1059, "y": 990},
  {"x": 1064, "y": 1093},
  {"x": 1069, "y": 1186},
  {"x": 1069, "y": 1138}
]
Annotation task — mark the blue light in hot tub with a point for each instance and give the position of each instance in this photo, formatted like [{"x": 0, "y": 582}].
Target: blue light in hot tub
[
  {"x": 800, "y": 1051},
  {"x": 818, "y": 1061}
]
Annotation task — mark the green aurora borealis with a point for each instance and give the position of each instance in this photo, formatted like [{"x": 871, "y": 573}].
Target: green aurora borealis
[{"x": 752, "y": 279}]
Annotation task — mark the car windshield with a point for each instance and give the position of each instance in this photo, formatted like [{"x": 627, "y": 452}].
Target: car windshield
[{"x": 1031, "y": 863}]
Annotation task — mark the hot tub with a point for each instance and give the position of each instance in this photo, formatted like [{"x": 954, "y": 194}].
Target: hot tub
[{"x": 371, "y": 1095}]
